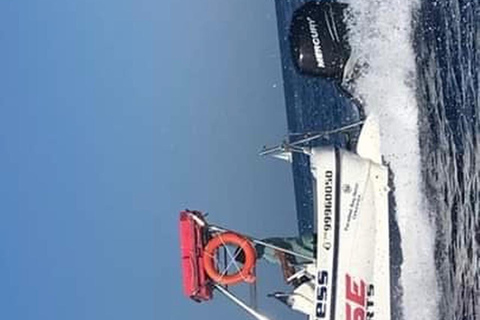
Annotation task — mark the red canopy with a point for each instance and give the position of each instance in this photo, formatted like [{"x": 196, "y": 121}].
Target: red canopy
[{"x": 195, "y": 284}]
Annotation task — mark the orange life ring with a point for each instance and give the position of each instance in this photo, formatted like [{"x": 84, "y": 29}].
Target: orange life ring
[{"x": 244, "y": 274}]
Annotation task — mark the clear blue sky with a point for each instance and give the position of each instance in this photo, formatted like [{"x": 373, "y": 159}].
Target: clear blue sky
[{"x": 115, "y": 115}]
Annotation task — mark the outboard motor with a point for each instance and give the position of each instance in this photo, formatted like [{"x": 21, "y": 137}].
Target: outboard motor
[{"x": 318, "y": 39}]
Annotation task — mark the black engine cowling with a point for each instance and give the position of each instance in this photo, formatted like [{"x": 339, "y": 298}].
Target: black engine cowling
[{"x": 318, "y": 39}]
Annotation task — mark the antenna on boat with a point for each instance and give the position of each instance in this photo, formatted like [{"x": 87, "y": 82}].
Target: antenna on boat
[
  {"x": 253, "y": 294},
  {"x": 287, "y": 147}
]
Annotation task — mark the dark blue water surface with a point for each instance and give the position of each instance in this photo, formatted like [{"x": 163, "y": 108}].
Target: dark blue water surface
[{"x": 447, "y": 46}]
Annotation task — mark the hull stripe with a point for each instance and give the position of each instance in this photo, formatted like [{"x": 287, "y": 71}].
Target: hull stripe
[{"x": 336, "y": 235}]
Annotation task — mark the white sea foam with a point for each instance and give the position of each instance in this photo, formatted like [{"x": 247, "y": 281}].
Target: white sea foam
[{"x": 381, "y": 39}]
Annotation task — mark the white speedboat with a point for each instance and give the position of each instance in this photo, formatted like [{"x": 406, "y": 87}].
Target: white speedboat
[
  {"x": 349, "y": 276},
  {"x": 352, "y": 267}
]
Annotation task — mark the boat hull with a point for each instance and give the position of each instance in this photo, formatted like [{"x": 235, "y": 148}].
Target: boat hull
[{"x": 352, "y": 223}]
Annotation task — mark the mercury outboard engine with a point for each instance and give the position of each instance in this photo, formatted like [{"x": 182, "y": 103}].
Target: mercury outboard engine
[{"x": 318, "y": 39}]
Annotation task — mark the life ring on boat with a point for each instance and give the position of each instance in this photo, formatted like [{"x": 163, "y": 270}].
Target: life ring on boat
[{"x": 245, "y": 274}]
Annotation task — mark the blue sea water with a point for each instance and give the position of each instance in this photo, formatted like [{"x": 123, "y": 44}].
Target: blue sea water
[
  {"x": 447, "y": 47},
  {"x": 422, "y": 81}
]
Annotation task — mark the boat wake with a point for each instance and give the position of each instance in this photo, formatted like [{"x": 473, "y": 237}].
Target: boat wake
[{"x": 380, "y": 33}]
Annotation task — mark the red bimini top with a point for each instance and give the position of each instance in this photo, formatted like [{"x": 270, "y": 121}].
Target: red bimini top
[{"x": 195, "y": 283}]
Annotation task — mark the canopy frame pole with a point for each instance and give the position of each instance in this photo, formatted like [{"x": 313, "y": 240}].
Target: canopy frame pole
[
  {"x": 265, "y": 244},
  {"x": 294, "y": 146},
  {"x": 240, "y": 303}
]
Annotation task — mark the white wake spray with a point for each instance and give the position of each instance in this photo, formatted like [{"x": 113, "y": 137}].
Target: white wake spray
[{"x": 380, "y": 32}]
